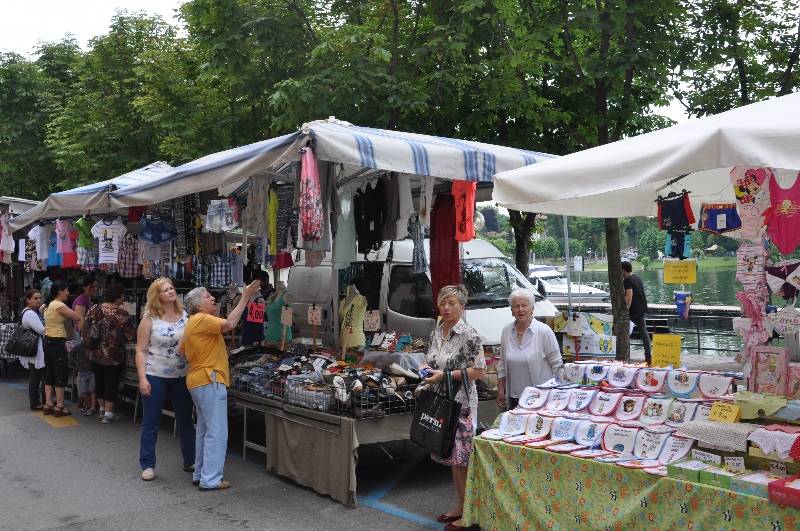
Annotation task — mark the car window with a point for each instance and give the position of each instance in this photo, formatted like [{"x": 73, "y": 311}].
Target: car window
[
  {"x": 490, "y": 281},
  {"x": 410, "y": 293}
]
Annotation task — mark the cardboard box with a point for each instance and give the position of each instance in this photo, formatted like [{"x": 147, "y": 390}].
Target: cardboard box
[
  {"x": 753, "y": 483},
  {"x": 717, "y": 477},
  {"x": 688, "y": 469},
  {"x": 755, "y": 451}
]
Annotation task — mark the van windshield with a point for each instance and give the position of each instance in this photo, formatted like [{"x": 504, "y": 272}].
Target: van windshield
[{"x": 489, "y": 281}]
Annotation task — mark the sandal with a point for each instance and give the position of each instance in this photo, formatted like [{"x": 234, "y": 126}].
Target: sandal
[
  {"x": 447, "y": 518},
  {"x": 61, "y": 412},
  {"x": 47, "y": 410}
]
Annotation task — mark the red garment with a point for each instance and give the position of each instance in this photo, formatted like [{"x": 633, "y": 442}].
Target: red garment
[
  {"x": 784, "y": 220},
  {"x": 135, "y": 213},
  {"x": 70, "y": 260},
  {"x": 311, "y": 215},
  {"x": 794, "y": 451},
  {"x": 445, "y": 265},
  {"x": 464, "y": 194}
]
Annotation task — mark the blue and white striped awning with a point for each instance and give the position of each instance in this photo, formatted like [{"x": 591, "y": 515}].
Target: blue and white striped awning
[{"x": 333, "y": 141}]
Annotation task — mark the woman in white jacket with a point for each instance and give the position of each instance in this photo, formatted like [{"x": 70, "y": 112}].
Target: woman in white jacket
[
  {"x": 529, "y": 351},
  {"x": 34, "y": 364}
]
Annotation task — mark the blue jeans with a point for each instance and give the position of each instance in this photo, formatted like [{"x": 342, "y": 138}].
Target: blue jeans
[
  {"x": 211, "y": 403},
  {"x": 160, "y": 389}
]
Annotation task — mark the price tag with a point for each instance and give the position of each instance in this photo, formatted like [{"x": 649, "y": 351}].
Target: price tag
[
  {"x": 777, "y": 468},
  {"x": 255, "y": 312},
  {"x": 666, "y": 350},
  {"x": 706, "y": 457},
  {"x": 724, "y": 412},
  {"x": 372, "y": 321},
  {"x": 680, "y": 271},
  {"x": 286, "y": 316},
  {"x": 314, "y": 315},
  {"x": 734, "y": 464},
  {"x": 722, "y": 221}
]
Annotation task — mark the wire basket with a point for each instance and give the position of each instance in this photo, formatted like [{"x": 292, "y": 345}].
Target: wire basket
[{"x": 258, "y": 381}]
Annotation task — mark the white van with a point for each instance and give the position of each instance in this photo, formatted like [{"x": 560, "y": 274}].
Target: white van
[{"x": 404, "y": 298}]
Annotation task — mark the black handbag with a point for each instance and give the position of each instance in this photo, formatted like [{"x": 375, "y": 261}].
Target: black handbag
[
  {"x": 436, "y": 417},
  {"x": 23, "y": 342}
]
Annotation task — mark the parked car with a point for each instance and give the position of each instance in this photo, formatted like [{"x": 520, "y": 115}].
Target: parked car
[{"x": 552, "y": 284}]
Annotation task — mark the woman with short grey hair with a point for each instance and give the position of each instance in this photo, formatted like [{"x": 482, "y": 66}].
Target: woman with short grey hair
[
  {"x": 529, "y": 353},
  {"x": 192, "y": 300}
]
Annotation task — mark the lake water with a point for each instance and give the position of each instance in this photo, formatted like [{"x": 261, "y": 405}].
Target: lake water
[{"x": 713, "y": 287}]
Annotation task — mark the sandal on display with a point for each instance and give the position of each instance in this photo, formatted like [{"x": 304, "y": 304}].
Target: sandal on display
[
  {"x": 148, "y": 474},
  {"x": 61, "y": 411},
  {"x": 446, "y": 518}
]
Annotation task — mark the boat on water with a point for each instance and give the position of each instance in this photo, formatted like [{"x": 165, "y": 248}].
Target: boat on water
[{"x": 552, "y": 284}]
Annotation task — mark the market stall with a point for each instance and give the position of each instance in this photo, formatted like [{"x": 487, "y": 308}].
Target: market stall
[
  {"x": 723, "y": 174},
  {"x": 327, "y": 196}
]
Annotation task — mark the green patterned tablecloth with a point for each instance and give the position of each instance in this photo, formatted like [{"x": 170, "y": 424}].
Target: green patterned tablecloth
[{"x": 517, "y": 488}]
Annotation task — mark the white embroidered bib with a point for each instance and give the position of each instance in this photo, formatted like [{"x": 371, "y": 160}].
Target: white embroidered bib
[
  {"x": 620, "y": 439},
  {"x": 596, "y": 373},
  {"x": 630, "y": 407},
  {"x": 714, "y": 385},
  {"x": 538, "y": 426},
  {"x": 682, "y": 383},
  {"x": 680, "y": 412},
  {"x": 649, "y": 444},
  {"x": 639, "y": 463},
  {"x": 702, "y": 412},
  {"x": 511, "y": 424},
  {"x": 620, "y": 376},
  {"x": 580, "y": 399},
  {"x": 565, "y": 448},
  {"x": 564, "y": 429},
  {"x": 651, "y": 380},
  {"x": 558, "y": 399},
  {"x": 574, "y": 372},
  {"x": 533, "y": 397},
  {"x": 675, "y": 449},
  {"x": 604, "y": 403},
  {"x": 655, "y": 410},
  {"x": 590, "y": 453},
  {"x": 590, "y": 433}
]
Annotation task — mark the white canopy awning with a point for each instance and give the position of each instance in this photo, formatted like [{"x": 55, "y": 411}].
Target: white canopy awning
[
  {"x": 361, "y": 150},
  {"x": 92, "y": 197},
  {"x": 624, "y": 178}
]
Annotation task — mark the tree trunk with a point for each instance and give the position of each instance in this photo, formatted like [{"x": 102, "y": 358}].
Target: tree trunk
[
  {"x": 619, "y": 309},
  {"x": 523, "y": 224}
]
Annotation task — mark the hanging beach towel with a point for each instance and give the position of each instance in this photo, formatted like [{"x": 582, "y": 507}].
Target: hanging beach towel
[
  {"x": 630, "y": 407},
  {"x": 649, "y": 444},
  {"x": 714, "y": 385},
  {"x": 533, "y": 398},
  {"x": 621, "y": 376},
  {"x": 679, "y": 412},
  {"x": 590, "y": 433},
  {"x": 620, "y": 439},
  {"x": 311, "y": 215},
  {"x": 563, "y": 430},
  {"x": 558, "y": 400},
  {"x": 538, "y": 426},
  {"x": 651, "y": 380},
  {"x": 675, "y": 448},
  {"x": 604, "y": 403},
  {"x": 655, "y": 410},
  {"x": 682, "y": 383},
  {"x": 574, "y": 372},
  {"x": 580, "y": 399}
]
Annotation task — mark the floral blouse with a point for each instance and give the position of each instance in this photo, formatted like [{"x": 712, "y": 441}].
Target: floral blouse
[
  {"x": 115, "y": 328},
  {"x": 461, "y": 350}
]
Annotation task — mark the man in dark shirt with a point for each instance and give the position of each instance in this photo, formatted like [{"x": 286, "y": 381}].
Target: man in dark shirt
[{"x": 636, "y": 301}]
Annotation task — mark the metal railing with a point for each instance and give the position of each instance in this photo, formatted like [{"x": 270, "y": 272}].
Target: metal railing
[{"x": 701, "y": 333}]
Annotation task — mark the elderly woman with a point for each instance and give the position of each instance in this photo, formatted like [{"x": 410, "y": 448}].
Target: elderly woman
[
  {"x": 454, "y": 346},
  {"x": 529, "y": 351},
  {"x": 162, "y": 374},
  {"x": 35, "y": 364},
  {"x": 208, "y": 379}
]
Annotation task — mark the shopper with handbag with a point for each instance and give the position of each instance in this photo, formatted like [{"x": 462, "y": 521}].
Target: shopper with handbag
[
  {"x": 454, "y": 346},
  {"x": 56, "y": 373},
  {"x": 35, "y": 364}
]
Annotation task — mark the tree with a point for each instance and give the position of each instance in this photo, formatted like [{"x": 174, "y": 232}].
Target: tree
[
  {"x": 490, "y": 217},
  {"x": 523, "y": 224},
  {"x": 650, "y": 242},
  {"x": 547, "y": 246}
]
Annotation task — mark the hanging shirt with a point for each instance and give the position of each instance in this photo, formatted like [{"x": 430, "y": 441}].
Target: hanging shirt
[
  {"x": 352, "y": 318},
  {"x": 400, "y": 207},
  {"x": 220, "y": 270},
  {"x": 41, "y": 235},
  {"x": 64, "y": 244},
  {"x": 464, "y": 195},
  {"x": 6, "y": 235},
  {"x": 369, "y": 207},
  {"x": 53, "y": 258},
  {"x": 426, "y": 201},
  {"x": 85, "y": 238},
  {"x": 237, "y": 269},
  {"x": 110, "y": 236},
  {"x": 69, "y": 259},
  {"x": 129, "y": 265},
  {"x": 785, "y": 216}
]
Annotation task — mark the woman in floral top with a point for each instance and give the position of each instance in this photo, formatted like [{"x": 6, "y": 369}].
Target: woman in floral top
[
  {"x": 108, "y": 358},
  {"x": 454, "y": 346},
  {"x": 162, "y": 374}
]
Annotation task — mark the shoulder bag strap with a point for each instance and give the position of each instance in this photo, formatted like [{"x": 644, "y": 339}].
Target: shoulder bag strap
[{"x": 465, "y": 381}]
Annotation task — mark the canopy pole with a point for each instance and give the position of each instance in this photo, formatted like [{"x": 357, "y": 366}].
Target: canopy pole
[{"x": 566, "y": 259}]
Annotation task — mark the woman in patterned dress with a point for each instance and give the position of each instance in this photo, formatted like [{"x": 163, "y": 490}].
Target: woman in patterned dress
[
  {"x": 162, "y": 374},
  {"x": 455, "y": 345}
]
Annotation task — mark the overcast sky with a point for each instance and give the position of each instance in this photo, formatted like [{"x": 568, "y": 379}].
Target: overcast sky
[{"x": 26, "y": 23}]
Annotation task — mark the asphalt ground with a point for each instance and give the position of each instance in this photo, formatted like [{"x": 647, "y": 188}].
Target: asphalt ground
[{"x": 75, "y": 473}]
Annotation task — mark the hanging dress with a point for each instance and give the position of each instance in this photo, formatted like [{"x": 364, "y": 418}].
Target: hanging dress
[
  {"x": 274, "y": 332},
  {"x": 784, "y": 221},
  {"x": 311, "y": 215}
]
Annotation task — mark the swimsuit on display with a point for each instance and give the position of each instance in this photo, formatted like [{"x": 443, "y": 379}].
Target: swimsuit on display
[
  {"x": 675, "y": 212},
  {"x": 750, "y": 260},
  {"x": 783, "y": 278},
  {"x": 678, "y": 244},
  {"x": 784, "y": 217},
  {"x": 747, "y": 183},
  {"x": 752, "y": 221},
  {"x": 719, "y": 218}
]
